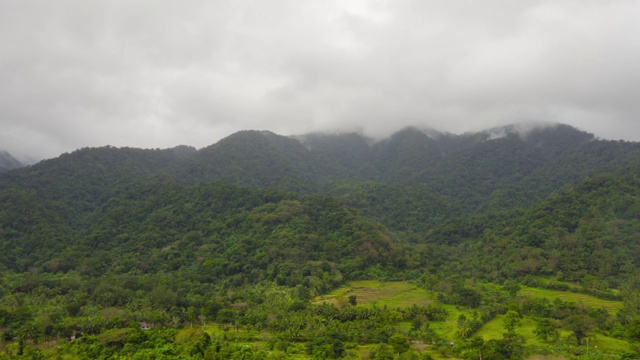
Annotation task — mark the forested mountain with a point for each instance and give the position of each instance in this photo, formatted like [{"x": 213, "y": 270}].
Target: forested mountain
[
  {"x": 8, "y": 162},
  {"x": 418, "y": 186},
  {"x": 587, "y": 229},
  {"x": 254, "y": 158},
  {"x": 103, "y": 228}
]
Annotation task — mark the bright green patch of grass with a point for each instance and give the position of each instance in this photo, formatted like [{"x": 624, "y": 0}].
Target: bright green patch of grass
[
  {"x": 400, "y": 294},
  {"x": 449, "y": 327},
  {"x": 494, "y": 329},
  {"x": 394, "y": 294},
  {"x": 608, "y": 344},
  {"x": 610, "y": 305}
]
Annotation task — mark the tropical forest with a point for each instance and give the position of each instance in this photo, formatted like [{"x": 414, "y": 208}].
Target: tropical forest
[{"x": 498, "y": 244}]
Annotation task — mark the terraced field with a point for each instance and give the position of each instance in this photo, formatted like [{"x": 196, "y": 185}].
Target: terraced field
[
  {"x": 400, "y": 294},
  {"x": 392, "y": 294},
  {"x": 610, "y": 305}
]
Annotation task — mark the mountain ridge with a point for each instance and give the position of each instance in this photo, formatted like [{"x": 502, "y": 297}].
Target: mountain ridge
[
  {"x": 254, "y": 231},
  {"x": 8, "y": 162},
  {"x": 318, "y": 162},
  {"x": 412, "y": 188}
]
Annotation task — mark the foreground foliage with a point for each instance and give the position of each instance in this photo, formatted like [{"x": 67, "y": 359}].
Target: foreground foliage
[{"x": 274, "y": 322}]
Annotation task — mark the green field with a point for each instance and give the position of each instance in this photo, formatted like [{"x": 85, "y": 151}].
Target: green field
[
  {"x": 610, "y": 305},
  {"x": 403, "y": 294},
  {"x": 394, "y": 294},
  {"x": 495, "y": 328},
  {"x": 400, "y": 294}
]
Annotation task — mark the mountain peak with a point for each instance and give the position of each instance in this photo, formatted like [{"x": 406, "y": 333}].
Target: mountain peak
[
  {"x": 8, "y": 162},
  {"x": 533, "y": 132},
  {"x": 430, "y": 133}
]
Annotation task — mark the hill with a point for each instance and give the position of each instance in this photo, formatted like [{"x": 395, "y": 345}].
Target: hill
[
  {"x": 419, "y": 186},
  {"x": 248, "y": 230},
  {"x": 8, "y": 162},
  {"x": 587, "y": 230}
]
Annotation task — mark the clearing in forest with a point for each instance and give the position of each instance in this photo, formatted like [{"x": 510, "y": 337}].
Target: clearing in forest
[
  {"x": 611, "y": 306},
  {"x": 394, "y": 294}
]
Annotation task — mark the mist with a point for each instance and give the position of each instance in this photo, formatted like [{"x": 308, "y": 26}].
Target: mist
[{"x": 156, "y": 74}]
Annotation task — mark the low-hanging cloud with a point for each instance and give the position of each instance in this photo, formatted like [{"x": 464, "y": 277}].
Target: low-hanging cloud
[{"x": 162, "y": 73}]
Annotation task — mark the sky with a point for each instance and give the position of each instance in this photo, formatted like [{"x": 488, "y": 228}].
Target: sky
[{"x": 159, "y": 73}]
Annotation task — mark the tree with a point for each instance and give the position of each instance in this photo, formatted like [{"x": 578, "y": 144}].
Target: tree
[
  {"x": 507, "y": 348},
  {"x": 383, "y": 352},
  {"x": 633, "y": 329},
  {"x": 399, "y": 343},
  {"x": 511, "y": 321},
  {"x": 474, "y": 346},
  {"x": 29, "y": 331},
  {"x": 191, "y": 314},
  {"x": 469, "y": 297},
  {"x": 428, "y": 281},
  {"x": 226, "y": 316},
  {"x": 580, "y": 325},
  {"x": 163, "y": 297},
  {"x": 464, "y": 330},
  {"x": 512, "y": 289},
  {"x": 192, "y": 341},
  {"x": 546, "y": 328}
]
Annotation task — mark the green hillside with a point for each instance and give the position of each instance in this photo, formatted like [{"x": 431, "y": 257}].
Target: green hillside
[{"x": 326, "y": 246}]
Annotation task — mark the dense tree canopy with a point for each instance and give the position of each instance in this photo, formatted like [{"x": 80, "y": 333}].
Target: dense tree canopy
[{"x": 245, "y": 232}]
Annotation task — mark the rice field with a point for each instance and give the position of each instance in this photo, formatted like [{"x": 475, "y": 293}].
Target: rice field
[
  {"x": 401, "y": 294},
  {"x": 393, "y": 294},
  {"x": 610, "y": 305}
]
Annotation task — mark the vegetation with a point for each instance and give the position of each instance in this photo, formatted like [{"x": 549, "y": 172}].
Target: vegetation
[{"x": 267, "y": 247}]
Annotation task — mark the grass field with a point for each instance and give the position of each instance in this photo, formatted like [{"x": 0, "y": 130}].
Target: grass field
[
  {"x": 403, "y": 294},
  {"x": 495, "y": 328},
  {"x": 610, "y": 305},
  {"x": 394, "y": 294},
  {"x": 576, "y": 286},
  {"x": 400, "y": 294}
]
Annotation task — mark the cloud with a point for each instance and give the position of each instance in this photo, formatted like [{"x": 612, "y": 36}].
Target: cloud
[{"x": 161, "y": 73}]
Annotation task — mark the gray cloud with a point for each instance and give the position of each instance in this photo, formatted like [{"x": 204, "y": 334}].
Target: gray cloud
[{"x": 155, "y": 73}]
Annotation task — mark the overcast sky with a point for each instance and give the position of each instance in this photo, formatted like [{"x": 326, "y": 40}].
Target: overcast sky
[{"x": 156, "y": 73}]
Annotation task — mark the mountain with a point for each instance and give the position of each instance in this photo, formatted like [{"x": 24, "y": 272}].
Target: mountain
[
  {"x": 340, "y": 156},
  {"x": 215, "y": 232},
  {"x": 316, "y": 162},
  {"x": 586, "y": 229},
  {"x": 353, "y": 202},
  {"x": 99, "y": 245},
  {"x": 253, "y": 158},
  {"x": 8, "y": 162}
]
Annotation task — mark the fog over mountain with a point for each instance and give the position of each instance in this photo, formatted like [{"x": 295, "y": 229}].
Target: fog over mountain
[
  {"x": 156, "y": 74},
  {"x": 8, "y": 162}
]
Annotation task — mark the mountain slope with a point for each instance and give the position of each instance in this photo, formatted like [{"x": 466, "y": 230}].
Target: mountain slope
[
  {"x": 214, "y": 232},
  {"x": 434, "y": 191},
  {"x": 340, "y": 157},
  {"x": 8, "y": 162},
  {"x": 92, "y": 175},
  {"x": 585, "y": 229},
  {"x": 254, "y": 158}
]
